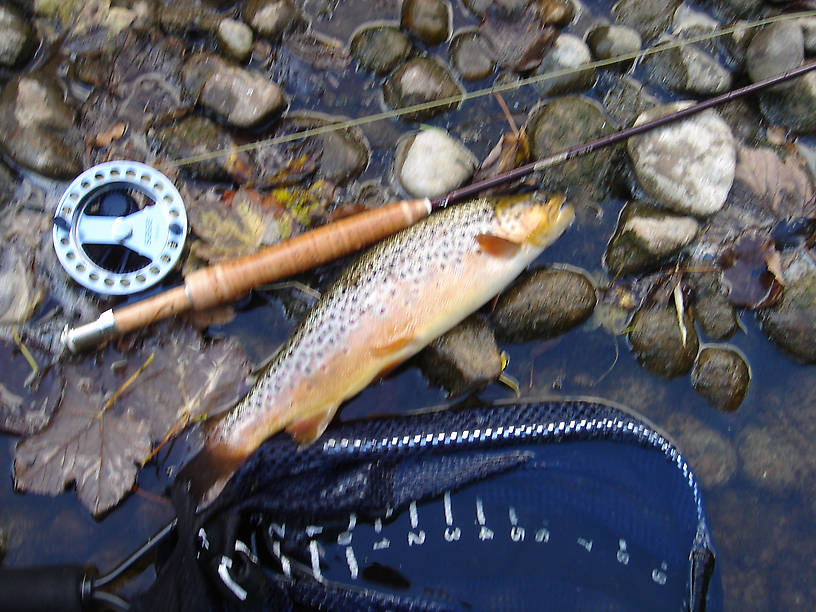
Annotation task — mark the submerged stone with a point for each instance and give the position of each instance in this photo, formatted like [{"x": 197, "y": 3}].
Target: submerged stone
[
  {"x": 722, "y": 376},
  {"x": 17, "y": 39},
  {"x": 543, "y": 304},
  {"x": 712, "y": 455},
  {"x": 716, "y": 316},
  {"x": 657, "y": 341},
  {"x": 610, "y": 41},
  {"x": 243, "y": 98},
  {"x": 649, "y": 17},
  {"x": 195, "y": 136},
  {"x": 464, "y": 360},
  {"x": 472, "y": 55},
  {"x": 271, "y": 18},
  {"x": 344, "y": 153},
  {"x": 625, "y": 98},
  {"x": 568, "y": 121},
  {"x": 647, "y": 237},
  {"x": 769, "y": 459},
  {"x": 419, "y": 81},
  {"x": 37, "y": 127},
  {"x": 791, "y": 322},
  {"x": 567, "y": 53},
  {"x": 379, "y": 48},
  {"x": 687, "y": 69},
  {"x": 428, "y": 20}
]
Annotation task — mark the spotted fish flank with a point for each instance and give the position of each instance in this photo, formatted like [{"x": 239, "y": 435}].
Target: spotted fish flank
[{"x": 394, "y": 300}]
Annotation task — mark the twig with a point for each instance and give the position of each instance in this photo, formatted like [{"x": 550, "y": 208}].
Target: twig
[
  {"x": 184, "y": 419},
  {"x": 127, "y": 384},
  {"x": 506, "y": 112}
]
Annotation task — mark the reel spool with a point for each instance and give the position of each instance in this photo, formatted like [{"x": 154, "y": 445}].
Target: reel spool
[{"x": 119, "y": 228}]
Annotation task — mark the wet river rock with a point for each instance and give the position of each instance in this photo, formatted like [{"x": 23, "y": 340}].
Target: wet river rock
[
  {"x": 271, "y": 18},
  {"x": 242, "y": 98},
  {"x": 609, "y": 41},
  {"x": 568, "y": 52},
  {"x": 195, "y": 136},
  {"x": 543, "y": 304},
  {"x": 464, "y": 360},
  {"x": 344, "y": 154},
  {"x": 722, "y": 376},
  {"x": 657, "y": 341},
  {"x": 687, "y": 166},
  {"x": 430, "y": 163},
  {"x": 649, "y": 17},
  {"x": 418, "y": 81},
  {"x": 428, "y": 20},
  {"x": 715, "y": 315},
  {"x": 472, "y": 55},
  {"x": 17, "y": 39},
  {"x": 37, "y": 127},
  {"x": 568, "y": 121},
  {"x": 647, "y": 237},
  {"x": 791, "y": 322},
  {"x": 687, "y": 69},
  {"x": 235, "y": 38},
  {"x": 625, "y": 98},
  {"x": 775, "y": 49},
  {"x": 380, "y": 48}
]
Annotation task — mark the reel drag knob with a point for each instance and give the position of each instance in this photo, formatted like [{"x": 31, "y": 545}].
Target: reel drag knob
[{"x": 119, "y": 228}]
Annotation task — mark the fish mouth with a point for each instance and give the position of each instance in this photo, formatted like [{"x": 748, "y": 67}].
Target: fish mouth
[{"x": 556, "y": 218}]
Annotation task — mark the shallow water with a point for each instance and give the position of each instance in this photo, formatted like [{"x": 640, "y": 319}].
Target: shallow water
[{"x": 764, "y": 533}]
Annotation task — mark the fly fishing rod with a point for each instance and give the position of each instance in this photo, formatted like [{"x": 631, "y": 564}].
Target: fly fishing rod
[{"x": 228, "y": 281}]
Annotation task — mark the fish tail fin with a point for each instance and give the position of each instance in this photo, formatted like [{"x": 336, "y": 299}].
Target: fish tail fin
[{"x": 208, "y": 472}]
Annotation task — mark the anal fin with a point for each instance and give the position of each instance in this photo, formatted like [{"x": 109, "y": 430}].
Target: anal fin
[
  {"x": 498, "y": 246},
  {"x": 308, "y": 429}
]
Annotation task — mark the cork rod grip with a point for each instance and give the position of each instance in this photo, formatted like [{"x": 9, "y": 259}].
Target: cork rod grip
[{"x": 228, "y": 281}]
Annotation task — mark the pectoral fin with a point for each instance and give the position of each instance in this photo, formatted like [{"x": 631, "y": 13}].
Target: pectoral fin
[
  {"x": 307, "y": 430},
  {"x": 497, "y": 246}
]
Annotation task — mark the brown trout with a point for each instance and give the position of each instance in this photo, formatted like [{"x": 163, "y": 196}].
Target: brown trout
[{"x": 396, "y": 298}]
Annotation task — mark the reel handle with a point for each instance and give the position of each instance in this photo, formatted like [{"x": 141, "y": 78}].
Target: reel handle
[{"x": 228, "y": 281}]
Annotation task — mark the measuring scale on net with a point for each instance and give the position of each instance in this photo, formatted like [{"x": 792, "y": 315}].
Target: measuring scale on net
[{"x": 479, "y": 551}]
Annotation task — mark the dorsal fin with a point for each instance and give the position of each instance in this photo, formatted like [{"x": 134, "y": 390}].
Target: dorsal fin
[{"x": 497, "y": 246}]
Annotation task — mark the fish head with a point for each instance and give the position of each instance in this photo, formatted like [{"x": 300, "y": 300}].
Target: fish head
[{"x": 530, "y": 219}]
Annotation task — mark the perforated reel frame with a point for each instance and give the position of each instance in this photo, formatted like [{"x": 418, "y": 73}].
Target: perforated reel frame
[{"x": 155, "y": 232}]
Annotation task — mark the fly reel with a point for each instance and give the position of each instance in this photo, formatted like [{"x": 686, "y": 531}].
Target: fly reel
[{"x": 119, "y": 228}]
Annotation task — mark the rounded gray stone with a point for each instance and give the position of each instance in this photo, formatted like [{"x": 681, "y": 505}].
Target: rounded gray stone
[
  {"x": 568, "y": 52},
  {"x": 235, "y": 37},
  {"x": 775, "y": 49},
  {"x": 687, "y": 166},
  {"x": 380, "y": 48},
  {"x": 430, "y": 163},
  {"x": 419, "y": 81},
  {"x": 647, "y": 237}
]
